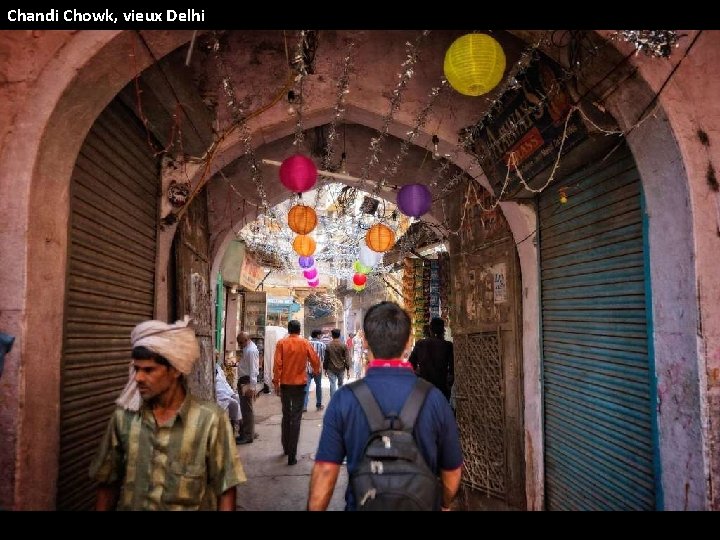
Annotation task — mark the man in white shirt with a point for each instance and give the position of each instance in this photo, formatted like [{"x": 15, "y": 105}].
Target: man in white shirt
[
  {"x": 248, "y": 368},
  {"x": 319, "y": 347},
  {"x": 357, "y": 355}
]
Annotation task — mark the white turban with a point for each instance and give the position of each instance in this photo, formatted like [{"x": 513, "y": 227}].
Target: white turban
[{"x": 176, "y": 342}]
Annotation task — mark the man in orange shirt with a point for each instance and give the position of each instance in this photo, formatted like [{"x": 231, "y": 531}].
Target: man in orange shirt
[{"x": 292, "y": 355}]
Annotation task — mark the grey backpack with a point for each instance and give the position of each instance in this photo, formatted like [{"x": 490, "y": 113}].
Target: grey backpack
[{"x": 392, "y": 474}]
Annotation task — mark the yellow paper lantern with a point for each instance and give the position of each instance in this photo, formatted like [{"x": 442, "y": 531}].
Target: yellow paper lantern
[
  {"x": 380, "y": 238},
  {"x": 302, "y": 219},
  {"x": 474, "y": 64},
  {"x": 304, "y": 245}
]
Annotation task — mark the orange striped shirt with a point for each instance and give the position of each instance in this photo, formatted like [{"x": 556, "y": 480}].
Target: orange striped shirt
[{"x": 291, "y": 357}]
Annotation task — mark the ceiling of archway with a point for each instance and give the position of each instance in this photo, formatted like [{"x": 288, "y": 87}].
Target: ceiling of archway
[
  {"x": 247, "y": 74},
  {"x": 255, "y": 65}
]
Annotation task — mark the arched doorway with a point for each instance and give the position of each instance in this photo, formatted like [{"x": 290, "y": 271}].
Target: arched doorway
[{"x": 37, "y": 165}]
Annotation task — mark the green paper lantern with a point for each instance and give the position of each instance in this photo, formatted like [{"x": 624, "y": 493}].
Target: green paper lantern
[{"x": 360, "y": 268}]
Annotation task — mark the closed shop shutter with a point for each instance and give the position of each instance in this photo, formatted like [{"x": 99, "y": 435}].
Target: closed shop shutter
[
  {"x": 599, "y": 436},
  {"x": 110, "y": 287}
]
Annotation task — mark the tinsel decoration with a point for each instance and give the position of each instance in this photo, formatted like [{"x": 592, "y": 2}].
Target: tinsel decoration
[
  {"x": 390, "y": 169},
  {"x": 240, "y": 122},
  {"x": 302, "y": 68},
  {"x": 408, "y": 67},
  {"x": 342, "y": 86},
  {"x": 659, "y": 43}
]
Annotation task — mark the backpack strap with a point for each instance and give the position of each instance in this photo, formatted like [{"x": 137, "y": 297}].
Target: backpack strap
[
  {"x": 370, "y": 407},
  {"x": 413, "y": 403},
  {"x": 377, "y": 419}
]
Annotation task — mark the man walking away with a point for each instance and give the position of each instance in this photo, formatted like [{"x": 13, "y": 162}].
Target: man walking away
[
  {"x": 248, "y": 368},
  {"x": 433, "y": 358},
  {"x": 390, "y": 381},
  {"x": 290, "y": 379},
  {"x": 319, "y": 347},
  {"x": 337, "y": 358},
  {"x": 163, "y": 449}
]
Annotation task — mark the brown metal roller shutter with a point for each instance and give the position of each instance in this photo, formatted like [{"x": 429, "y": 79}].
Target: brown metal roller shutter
[{"x": 110, "y": 286}]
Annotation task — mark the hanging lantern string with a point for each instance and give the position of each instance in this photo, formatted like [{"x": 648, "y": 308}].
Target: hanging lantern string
[
  {"x": 526, "y": 58},
  {"x": 404, "y": 77},
  {"x": 342, "y": 86},
  {"x": 390, "y": 169},
  {"x": 407, "y": 71}
]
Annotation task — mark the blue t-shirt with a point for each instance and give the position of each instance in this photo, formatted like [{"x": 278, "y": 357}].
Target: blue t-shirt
[{"x": 346, "y": 430}]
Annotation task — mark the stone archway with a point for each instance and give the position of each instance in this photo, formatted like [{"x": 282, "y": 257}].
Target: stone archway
[
  {"x": 37, "y": 160},
  {"x": 668, "y": 155},
  {"x": 84, "y": 75}
]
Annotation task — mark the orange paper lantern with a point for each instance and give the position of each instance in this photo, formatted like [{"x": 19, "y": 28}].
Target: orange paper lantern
[
  {"x": 302, "y": 219},
  {"x": 304, "y": 245},
  {"x": 380, "y": 238}
]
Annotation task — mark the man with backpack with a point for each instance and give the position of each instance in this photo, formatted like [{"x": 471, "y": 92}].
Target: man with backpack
[{"x": 397, "y": 432}]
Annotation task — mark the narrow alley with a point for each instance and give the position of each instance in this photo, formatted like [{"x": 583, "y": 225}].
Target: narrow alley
[{"x": 271, "y": 483}]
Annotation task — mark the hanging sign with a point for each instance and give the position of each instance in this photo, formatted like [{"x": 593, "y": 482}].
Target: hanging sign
[
  {"x": 251, "y": 273},
  {"x": 527, "y": 121}
]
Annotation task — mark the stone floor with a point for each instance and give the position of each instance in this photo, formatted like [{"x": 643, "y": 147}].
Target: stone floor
[{"x": 273, "y": 484}]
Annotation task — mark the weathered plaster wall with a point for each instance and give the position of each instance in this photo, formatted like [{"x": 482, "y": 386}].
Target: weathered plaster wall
[
  {"x": 22, "y": 57},
  {"x": 684, "y": 242}
]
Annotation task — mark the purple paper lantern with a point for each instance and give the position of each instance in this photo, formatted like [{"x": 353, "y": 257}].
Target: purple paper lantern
[
  {"x": 414, "y": 200},
  {"x": 298, "y": 173},
  {"x": 306, "y": 262},
  {"x": 314, "y": 282},
  {"x": 310, "y": 274}
]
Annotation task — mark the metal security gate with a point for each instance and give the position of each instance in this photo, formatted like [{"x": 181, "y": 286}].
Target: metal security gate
[
  {"x": 599, "y": 436},
  {"x": 485, "y": 314},
  {"x": 481, "y": 420},
  {"x": 110, "y": 286}
]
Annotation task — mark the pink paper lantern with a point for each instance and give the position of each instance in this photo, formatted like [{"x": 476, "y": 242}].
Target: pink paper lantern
[
  {"x": 298, "y": 173},
  {"x": 314, "y": 282},
  {"x": 310, "y": 274}
]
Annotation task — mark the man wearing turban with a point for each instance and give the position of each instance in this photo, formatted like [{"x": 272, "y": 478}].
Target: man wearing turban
[{"x": 164, "y": 449}]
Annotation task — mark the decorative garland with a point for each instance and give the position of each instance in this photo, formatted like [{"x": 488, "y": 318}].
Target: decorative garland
[{"x": 658, "y": 43}]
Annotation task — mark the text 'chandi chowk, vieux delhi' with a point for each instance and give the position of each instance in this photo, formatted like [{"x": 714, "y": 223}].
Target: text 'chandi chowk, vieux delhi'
[{"x": 75, "y": 15}]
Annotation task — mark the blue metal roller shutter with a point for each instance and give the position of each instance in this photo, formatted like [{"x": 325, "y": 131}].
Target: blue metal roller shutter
[{"x": 596, "y": 368}]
